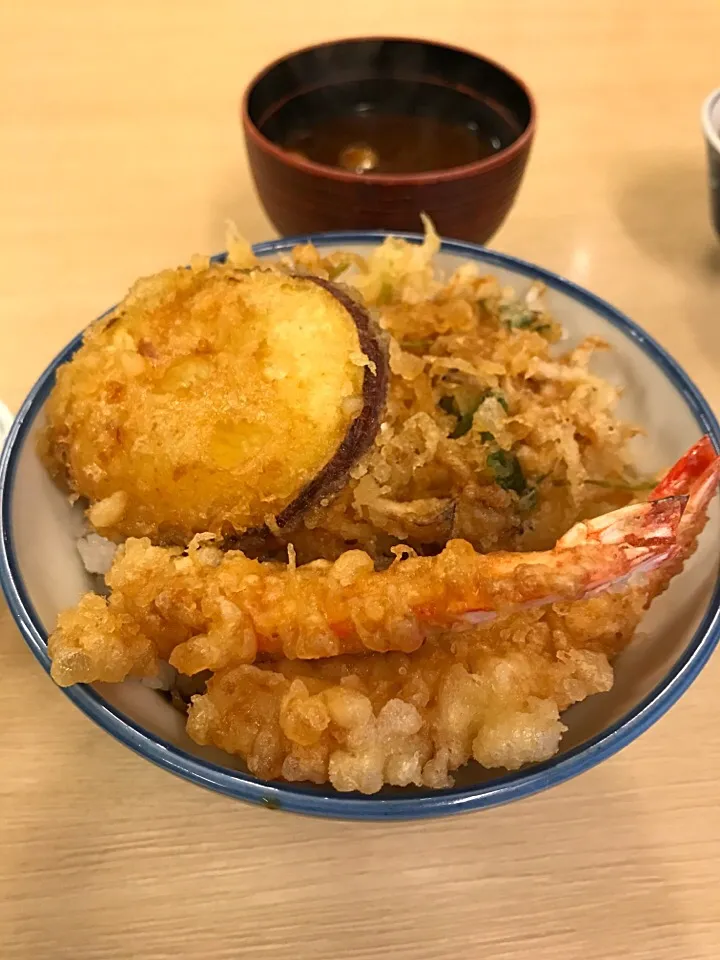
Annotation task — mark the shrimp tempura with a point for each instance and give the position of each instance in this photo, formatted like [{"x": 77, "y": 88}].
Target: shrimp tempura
[{"x": 207, "y": 610}]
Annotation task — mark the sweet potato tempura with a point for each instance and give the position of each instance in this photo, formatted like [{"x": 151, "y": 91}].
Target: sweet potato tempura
[{"x": 216, "y": 399}]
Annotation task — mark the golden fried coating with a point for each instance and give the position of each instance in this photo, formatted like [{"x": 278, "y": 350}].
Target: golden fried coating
[
  {"x": 208, "y": 610},
  {"x": 92, "y": 641},
  {"x": 494, "y": 695},
  {"x": 211, "y": 399}
]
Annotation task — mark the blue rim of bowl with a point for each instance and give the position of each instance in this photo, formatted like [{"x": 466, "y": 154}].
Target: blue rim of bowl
[{"x": 421, "y": 804}]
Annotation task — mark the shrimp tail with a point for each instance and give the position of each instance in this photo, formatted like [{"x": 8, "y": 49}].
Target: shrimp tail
[
  {"x": 693, "y": 466},
  {"x": 620, "y": 545},
  {"x": 646, "y": 534},
  {"x": 640, "y": 526},
  {"x": 696, "y": 475}
]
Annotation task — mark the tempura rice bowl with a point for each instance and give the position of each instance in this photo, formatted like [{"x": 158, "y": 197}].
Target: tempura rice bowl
[{"x": 42, "y": 573}]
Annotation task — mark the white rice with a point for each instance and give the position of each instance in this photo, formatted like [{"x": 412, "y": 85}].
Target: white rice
[
  {"x": 165, "y": 679},
  {"x": 97, "y": 553}
]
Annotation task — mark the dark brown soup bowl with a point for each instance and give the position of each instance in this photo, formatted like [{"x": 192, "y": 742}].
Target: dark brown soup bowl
[{"x": 468, "y": 202}]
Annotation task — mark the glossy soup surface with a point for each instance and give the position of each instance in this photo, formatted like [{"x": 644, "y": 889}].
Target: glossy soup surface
[{"x": 391, "y": 127}]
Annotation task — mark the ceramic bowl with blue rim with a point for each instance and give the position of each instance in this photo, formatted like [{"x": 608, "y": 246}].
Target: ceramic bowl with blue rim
[{"x": 41, "y": 573}]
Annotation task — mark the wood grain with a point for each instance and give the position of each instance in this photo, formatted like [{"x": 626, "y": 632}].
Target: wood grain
[{"x": 120, "y": 153}]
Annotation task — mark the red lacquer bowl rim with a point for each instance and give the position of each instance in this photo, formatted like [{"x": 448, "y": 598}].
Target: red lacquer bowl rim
[{"x": 466, "y": 171}]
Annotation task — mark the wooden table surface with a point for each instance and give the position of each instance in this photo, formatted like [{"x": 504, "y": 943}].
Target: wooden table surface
[{"x": 121, "y": 153}]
